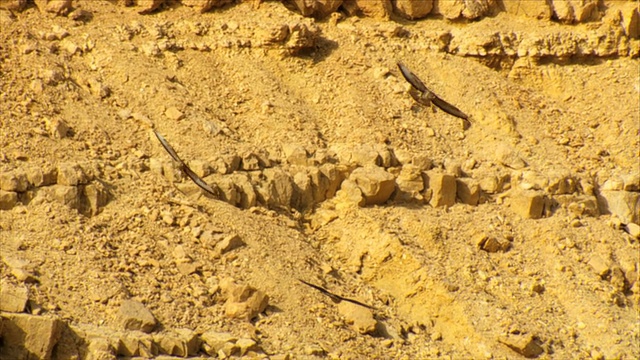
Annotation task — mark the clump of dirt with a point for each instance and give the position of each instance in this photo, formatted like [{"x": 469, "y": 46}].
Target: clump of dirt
[{"x": 515, "y": 235}]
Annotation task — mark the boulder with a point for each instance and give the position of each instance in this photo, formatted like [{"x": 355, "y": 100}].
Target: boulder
[
  {"x": 205, "y": 5},
  {"x": 359, "y": 317},
  {"x": 376, "y": 184},
  {"x": 410, "y": 179},
  {"x": 229, "y": 243},
  {"x": 58, "y": 129},
  {"x": 357, "y": 155},
  {"x": 630, "y": 19},
  {"x": 66, "y": 195},
  {"x": 413, "y": 9},
  {"x": 13, "y": 5},
  {"x": 246, "y": 193},
  {"x": 135, "y": 343},
  {"x": 624, "y": 204},
  {"x": 317, "y": 8},
  {"x": 349, "y": 196},
  {"x": 575, "y": 11},
  {"x": 468, "y": 9},
  {"x": 133, "y": 315},
  {"x": 301, "y": 37},
  {"x": 71, "y": 175},
  {"x": 94, "y": 198},
  {"x": 41, "y": 176},
  {"x": 442, "y": 187},
  {"x": 8, "y": 199},
  {"x": 58, "y": 7},
  {"x": 538, "y": 9},
  {"x": 529, "y": 204},
  {"x": 179, "y": 342},
  {"x": 380, "y": 9},
  {"x": 13, "y": 298},
  {"x": 508, "y": 157},
  {"x": 243, "y": 301},
  {"x": 27, "y": 336},
  {"x": 15, "y": 180},
  {"x": 277, "y": 189},
  {"x": 468, "y": 191},
  {"x": 214, "y": 343},
  {"x": 295, "y": 154},
  {"x": 148, "y": 6}
]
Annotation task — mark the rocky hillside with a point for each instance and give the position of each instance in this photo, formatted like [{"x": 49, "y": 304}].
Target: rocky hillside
[{"x": 342, "y": 218}]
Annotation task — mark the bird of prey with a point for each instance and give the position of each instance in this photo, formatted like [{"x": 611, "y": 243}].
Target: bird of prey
[
  {"x": 426, "y": 97},
  {"x": 335, "y": 298},
  {"x": 183, "y": 166}
]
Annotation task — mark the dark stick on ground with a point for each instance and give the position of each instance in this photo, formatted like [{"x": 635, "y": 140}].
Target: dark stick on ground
[
  {"x": 183, "y": 166},
  {"x": 334, "y": 297},
  {"x": 426, "y": 97}
]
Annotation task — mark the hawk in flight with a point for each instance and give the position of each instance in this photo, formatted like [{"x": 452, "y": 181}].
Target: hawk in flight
[
  {"x": 426, "y": 97},
  {"x": 335, "y": 298},
  {"x": 183, "y": 166}
]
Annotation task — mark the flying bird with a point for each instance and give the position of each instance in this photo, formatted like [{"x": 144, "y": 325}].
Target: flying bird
[
  {"x": 426, "y": 97},
  {"x": 335, "y": 298},
  {"x": 183, "y": 166}
]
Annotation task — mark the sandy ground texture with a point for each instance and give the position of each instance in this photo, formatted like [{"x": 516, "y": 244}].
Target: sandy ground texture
[{"x": 513, "y": 237}]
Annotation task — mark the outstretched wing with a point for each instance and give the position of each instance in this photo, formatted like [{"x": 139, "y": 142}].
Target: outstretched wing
[
  {"x": 168, "y": 147},
  {"x": 448, "y": 108},
  {"x": 333, "y": 296},
  {"x": 198, "y": 180},
  {"x": 183, "y": 166},
  {"x": 412, "y": 78},
  {"x": 428, "y": 95}
]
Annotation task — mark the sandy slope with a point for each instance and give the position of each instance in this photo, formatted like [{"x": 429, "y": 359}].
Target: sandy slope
[{"x": 435, "y": 292}]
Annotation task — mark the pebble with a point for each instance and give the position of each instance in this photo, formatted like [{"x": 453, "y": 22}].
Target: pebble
[
  {"x": 524, "y": 345},
  {"x": 576, "y": 223},
  {"x": 80, "y": 15},
  {"x": 538, "y": 286},
  {"x": 168, "y": 218},
  {"x": 187, "y": 268},
  {"x": 314, "y": 350},
  {"x": 124, "y": 114},
  {"x": 380, "y": 72},
  {"x": 174, "y": 114},
  {"x": 57, "y": 129},
  {"x": 600, "y": 266},
  {"x": 436, "y": 336},
  {"x": 633, "y": 230}
]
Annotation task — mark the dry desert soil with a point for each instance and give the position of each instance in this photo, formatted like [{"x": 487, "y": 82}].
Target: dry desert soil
[{"x": 514, "y": 235}]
